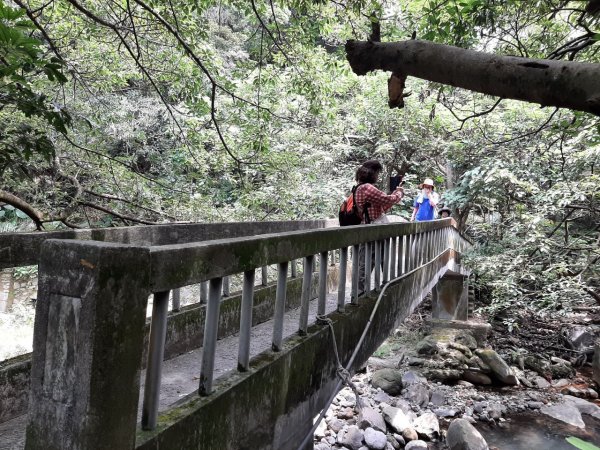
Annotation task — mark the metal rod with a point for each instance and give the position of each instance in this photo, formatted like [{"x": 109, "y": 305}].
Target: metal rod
[
  {"x": 264, "y": 273},
  {"x": 321, "y": 306},
  {"x": 386, "y": 260},
  {"x": 226, "y": 286},
  {"x": 246, "y": 320},
  {"x": 278, "y": 315},
  {"x": 342, "y": 278},
  {"x": 393, "y": 258},
  {"x": 211, "y": 326},
  {"x": 367, "y": 274},
  {"x": 355, "y": 275},
  {"x": 203, "y": 292},
  {"x": 306, "y": 288},
  {"x": 377, "y": 264},
  {"x": 156, "y": 352},
  {"x": 176, "y": 306},
  {"x": 401, "y": 248},
  {"x": 294, "y": 268}
]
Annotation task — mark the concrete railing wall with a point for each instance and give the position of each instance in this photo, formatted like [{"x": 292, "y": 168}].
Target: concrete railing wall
[{"x": 90, "y": 318}]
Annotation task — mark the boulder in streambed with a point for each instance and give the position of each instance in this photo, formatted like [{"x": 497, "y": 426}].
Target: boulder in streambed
[
  {"x": 389, "y": 380},
  {"x": 463, "y": 436},
  {"x": 498, "y": 366},
  {"x": 565, "y": 412}
]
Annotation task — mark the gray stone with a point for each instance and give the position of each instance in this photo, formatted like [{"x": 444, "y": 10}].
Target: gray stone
[
  {"x": 445, "y": 412},
  {"x": 396, "y": 418},
  {"x": 438, "y": 398},
  {"x": 464, "y": 383},
  {"x": 399, "y": 438},
  {"x": 427, "y": 425},
  {"x": 535, "y": 405},
  {"x": 411, "y": 377},
  {"x": 495, "y": 410},
  {"x": 426, "y": 347},
  {"x": 498, "y": 366},
  {"x": 409, "y": 434},
  {"x": 336, "y": 425},
  {"x": 461, "y": 348},
  {"x": 351, "y": 438},
  {"x": 369, "y": 418},
  {"x": 476, "y": 377},
  {"x": 541, "y": 382},
  {"x": 538, "y": 365},
  {"x": 382, "y": 397},
  {"x": 479, "y": 407},
  {"x": 403, "y": 404},
  {"x": 560, "y": 383},
  {"x": 462, "y": 435},
  {"x": 584, "y": 406},
  {"x": 375, "y": 439},
  {"x": 389, "y": 380},
  {"x": 417, "y": 394},
  {"x": 444, "y": 375},
  {"x": 466, "y": 338},
  {"x": 322, "y": 446},
  {"x": 416, "y": 445},
  {"x": 561, "y": 371},
  {"x": 596, "y": 363},
  {"x": 414, "y": 361},
  {"x": 565, "y": 412}
]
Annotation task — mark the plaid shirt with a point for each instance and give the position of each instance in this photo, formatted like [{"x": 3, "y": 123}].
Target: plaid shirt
[{"x": 379, "y": 202}]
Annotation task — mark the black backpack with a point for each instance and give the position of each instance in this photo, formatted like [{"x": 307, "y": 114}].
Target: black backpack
[{"x": 348, "y": 214}]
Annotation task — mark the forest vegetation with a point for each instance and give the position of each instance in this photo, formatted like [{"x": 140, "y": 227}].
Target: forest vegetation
[{"x": 123, "y": 112}]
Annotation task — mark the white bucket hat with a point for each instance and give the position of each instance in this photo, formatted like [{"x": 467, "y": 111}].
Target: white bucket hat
[{"x": 427, "y": 182}]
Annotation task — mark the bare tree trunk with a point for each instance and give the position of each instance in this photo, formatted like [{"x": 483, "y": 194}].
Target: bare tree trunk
[{"x": 564, "y": 84}]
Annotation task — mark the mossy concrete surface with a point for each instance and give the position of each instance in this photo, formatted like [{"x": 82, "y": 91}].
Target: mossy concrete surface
[{"x": 272, "y": 405}]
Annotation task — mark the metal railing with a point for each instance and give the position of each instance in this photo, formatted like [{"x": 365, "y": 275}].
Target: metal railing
[{"x": 395, "y": 249}]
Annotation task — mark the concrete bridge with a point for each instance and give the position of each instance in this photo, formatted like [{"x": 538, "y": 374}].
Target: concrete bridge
[{"x": 91, "y": 339}]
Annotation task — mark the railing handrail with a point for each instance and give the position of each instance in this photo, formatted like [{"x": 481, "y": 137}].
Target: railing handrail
[{"x": 22, "y": 249}]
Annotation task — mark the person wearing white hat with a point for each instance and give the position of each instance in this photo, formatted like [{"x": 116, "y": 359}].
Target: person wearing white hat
[{"x": 425, "y": 203}]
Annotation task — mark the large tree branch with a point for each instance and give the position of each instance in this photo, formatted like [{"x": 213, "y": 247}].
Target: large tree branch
[
  {"x": 22, "y": 205},
  {"x": 564, "y": 84}
]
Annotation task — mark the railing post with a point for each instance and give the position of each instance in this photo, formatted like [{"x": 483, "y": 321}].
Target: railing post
[
  {"x": 264, "y": 274},
  {"x": 203, "y": 292},
  {"x": 355, "y": 274},
  {"x": 89, "y": 320},
  {"x": 294, "y": 264},
  {"x": 401, "y": 250},
  {"x": 156, "y": 353},
  {"x": 211, "y": 327},
  {"x": 322, "y": 302},
  {"x": 393, "y": 256},
  {"x": 409, "y": 252},
  {"x": 306, "y": 288},
  {"x": 368, "y": 263},
  {"x": 246, "y": 320},
  {"x": 176, "y": 300},
  {"x": 386, "y": 260},
  {"x": 226, "y": 286},
  {"x": 342, "y": 278},
  {"x": 378, "y": 245},
  {"x": 278, "y": 315}
]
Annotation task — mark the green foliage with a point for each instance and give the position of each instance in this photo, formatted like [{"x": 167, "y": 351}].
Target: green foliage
[
  {"x": 581, "y": 444},
  {"x": 21, "y": 64}
]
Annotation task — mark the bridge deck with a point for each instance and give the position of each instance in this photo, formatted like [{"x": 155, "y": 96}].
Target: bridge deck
[{"x": 180, "y": 374}]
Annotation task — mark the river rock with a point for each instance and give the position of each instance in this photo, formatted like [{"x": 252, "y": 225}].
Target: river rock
[
  {"x": 495, "y": 410},
  {"x": 336, "y": 425},
  {"x": 561, "y": 371},
  {"x": 396, "y": 418},
  {"x": 596, "y": 363},
  {"x": 389, "y": 380},
  {"x": 417, "y": 394},
  {"x": 404, "y": 405},
  {"x": 438, "y": 398},
  {"x": 369, "y": 418},
  {"x": 382, "y": 397},
  {"x": 443, "y": 375},
  {"x": 409, "y": 434},
  {"x": 584, "y": 406},
  {"x": 462, "y": 435},
  {"x": 427, "y": 346},
  {"x": 427, "y": 425},
  {"x": 461, "y": 348},
  {"x": 498, "y": 366},
  {"x": 322, "y": 446},
  {"x": 565, "y": 412},
  {"x": 445, "y": 412},
  {"x": 541, "y": 382},
  {"x": 351, "y": 438},
  {"x": 399, "y": 439},
  {"x": 476, "y": 377},
  {"x": 416, "y": 445},
  {"x": 411, "y": 377},
  {"x": 375, "y": 439},
  {"x": 537, "y": 365},
  {"x": 467, "y": 339}
]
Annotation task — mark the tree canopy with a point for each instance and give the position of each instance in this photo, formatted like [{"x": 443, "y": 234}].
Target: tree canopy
[{"x": 138, "y": 111}]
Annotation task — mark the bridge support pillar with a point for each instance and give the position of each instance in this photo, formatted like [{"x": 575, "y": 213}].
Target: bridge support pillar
[
  {"x": 87, "y": 346},
  {"x": 450, "y": 298}
]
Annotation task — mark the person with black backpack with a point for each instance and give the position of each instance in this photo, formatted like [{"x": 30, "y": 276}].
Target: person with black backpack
[{"x": 368, "y": 204}]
